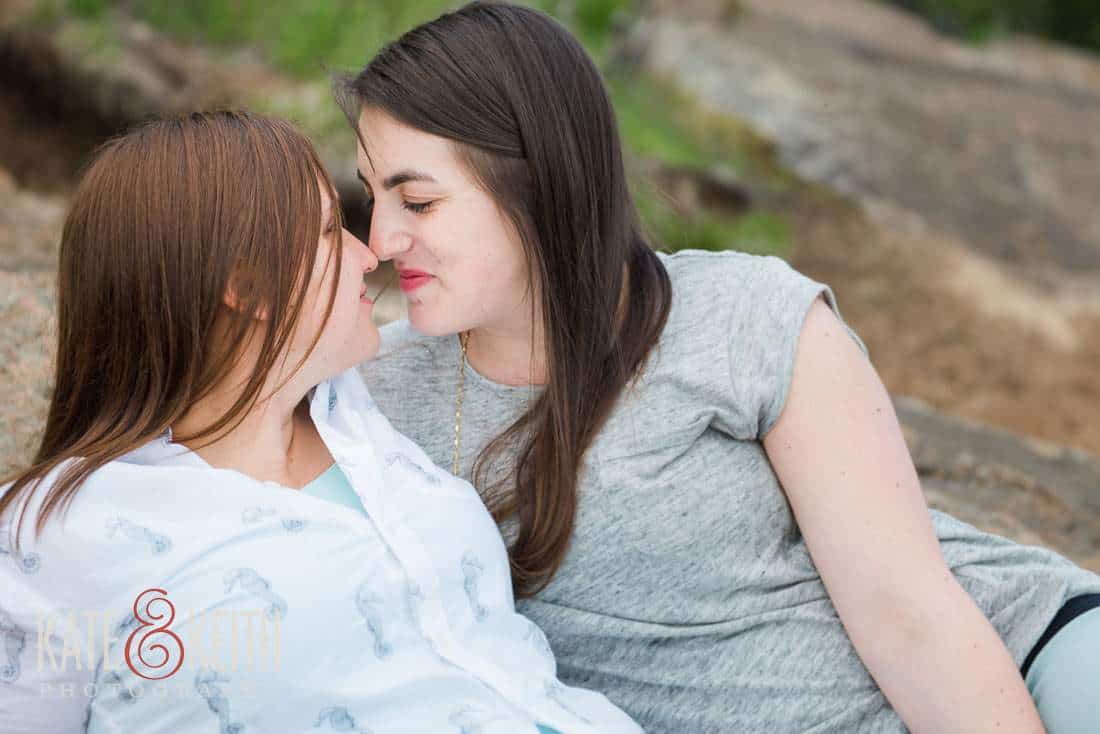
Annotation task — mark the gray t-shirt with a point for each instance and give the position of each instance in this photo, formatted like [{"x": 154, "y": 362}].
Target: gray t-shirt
[{"x": 688, "y": 596}]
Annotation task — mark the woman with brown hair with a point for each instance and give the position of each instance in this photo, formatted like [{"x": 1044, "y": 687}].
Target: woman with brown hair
[
  {"x": 226, "y": 532},
  {"x": 709, "y": 504}
]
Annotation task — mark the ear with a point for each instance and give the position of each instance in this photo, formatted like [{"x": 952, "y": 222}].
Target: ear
[{"x": 240, "y": 292}]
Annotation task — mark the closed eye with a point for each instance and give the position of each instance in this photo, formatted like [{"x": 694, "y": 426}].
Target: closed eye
[
  {"x": 417, "y": 207},
  {"x": 412, "y": 206}
]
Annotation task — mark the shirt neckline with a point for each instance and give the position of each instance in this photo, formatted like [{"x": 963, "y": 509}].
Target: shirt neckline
[
  {"x": 453, "y": 347},
  {"x": 311, "y": 486}
]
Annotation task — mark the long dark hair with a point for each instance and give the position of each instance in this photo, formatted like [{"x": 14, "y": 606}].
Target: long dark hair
[
  {"x": 163, "y": 220},
  {"x": 535, "y": 127}
]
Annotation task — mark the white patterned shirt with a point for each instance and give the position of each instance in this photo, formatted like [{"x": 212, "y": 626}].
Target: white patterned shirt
[{"x": 176, "y": 597}]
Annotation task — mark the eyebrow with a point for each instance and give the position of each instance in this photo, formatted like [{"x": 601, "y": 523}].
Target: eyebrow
[{"x": 398, "y": 178}]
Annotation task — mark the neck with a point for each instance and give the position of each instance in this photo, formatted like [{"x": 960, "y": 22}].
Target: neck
[
  {"x": 515, "y": 354},
  {"x": 276, "y": 441},
  {"x": 509, "y": 357}
]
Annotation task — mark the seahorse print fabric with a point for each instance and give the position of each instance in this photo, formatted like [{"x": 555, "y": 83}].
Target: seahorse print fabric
[{"x": 174, "y": 596}]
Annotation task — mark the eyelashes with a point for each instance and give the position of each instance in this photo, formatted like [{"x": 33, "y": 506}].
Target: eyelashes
[
  {"x": 414, "y": 207},
  {"x": 417, "y": 208}
]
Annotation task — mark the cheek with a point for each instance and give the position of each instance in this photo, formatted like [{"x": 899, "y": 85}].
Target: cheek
[
  {"x": 488, "y": 279},
  {"x": 496, "y": 251},
  {"x": 481, "y": 265},
  {"x": 343, "y": 312}
]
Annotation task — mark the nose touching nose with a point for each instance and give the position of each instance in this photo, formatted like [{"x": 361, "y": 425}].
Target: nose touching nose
[
  {"x": 369, "y": 257},
  {"x": 386, "y": 244}
]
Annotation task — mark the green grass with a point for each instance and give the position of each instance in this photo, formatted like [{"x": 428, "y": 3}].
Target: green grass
[
  {"x": 758, "y": 232},
  {"x": 300, "y": 37},
  {"x": 659, "y": 121},
  {"x": 1075, "y": 22},
  {"x": 304, "y": 35},
  {"x": 593, "y": 21},
  {"x": 649, "y": 122},
  {"x": 663, "y": 124}
]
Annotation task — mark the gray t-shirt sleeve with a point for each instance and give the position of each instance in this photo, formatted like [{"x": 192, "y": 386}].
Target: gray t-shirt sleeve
[{"x": 770, "y": 303}]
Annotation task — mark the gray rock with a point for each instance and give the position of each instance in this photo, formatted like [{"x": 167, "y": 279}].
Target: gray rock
[{"x": 996, "y": 145}]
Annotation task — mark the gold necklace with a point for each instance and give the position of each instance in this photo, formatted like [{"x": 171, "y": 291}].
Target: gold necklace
[{"x": 460, "y": 393}]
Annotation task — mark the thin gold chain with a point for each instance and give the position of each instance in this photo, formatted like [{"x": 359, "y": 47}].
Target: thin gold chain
[{"x": 460, "y": 393}]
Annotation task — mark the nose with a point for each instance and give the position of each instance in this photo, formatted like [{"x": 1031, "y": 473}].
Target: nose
[
  {"x": 385, "y": 241},
  {"x": 369, "y": 259}
]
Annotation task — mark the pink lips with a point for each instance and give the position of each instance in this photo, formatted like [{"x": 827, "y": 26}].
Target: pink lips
[{"x": 410, "y": 280}]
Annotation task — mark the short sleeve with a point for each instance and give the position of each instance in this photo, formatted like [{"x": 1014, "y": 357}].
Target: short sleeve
[{"x": 770, "y": 306}]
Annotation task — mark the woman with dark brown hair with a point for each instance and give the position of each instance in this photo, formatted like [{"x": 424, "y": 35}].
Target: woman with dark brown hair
[
  {"x": 709, "y": 504},
  {"x": 227, "y": 535}
]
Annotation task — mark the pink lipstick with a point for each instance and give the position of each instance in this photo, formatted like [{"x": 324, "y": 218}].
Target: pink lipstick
[{"x": 410, "y": 280}]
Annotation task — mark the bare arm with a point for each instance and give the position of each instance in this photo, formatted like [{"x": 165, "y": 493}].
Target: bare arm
[{"x": 840, "y": 456}]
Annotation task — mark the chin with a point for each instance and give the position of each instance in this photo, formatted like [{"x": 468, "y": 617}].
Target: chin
[
  {"x": 364, "y": 351},
  {"x": 424, "y": 321}
]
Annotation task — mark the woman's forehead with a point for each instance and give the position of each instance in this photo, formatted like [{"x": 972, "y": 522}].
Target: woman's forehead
[{"x": 388, "y": 146}]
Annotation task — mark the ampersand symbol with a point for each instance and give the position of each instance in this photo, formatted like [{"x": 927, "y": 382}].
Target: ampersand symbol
[{"x": 151, "y": 626}]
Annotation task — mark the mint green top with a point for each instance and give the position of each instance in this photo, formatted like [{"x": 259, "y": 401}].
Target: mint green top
[{"x": 334, "y": 486}]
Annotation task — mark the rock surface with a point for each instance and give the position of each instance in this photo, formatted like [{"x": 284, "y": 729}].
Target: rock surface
[
  {"x": 1032, "y": 491},
  {"x": 996, "y": 145}
]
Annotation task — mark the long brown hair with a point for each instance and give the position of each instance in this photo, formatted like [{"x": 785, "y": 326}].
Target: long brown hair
[
  {"x": 163, "y": 221},
  {"x": 532, "y": 120}
]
